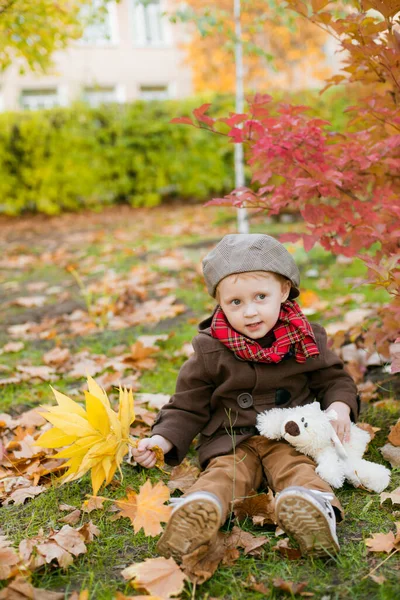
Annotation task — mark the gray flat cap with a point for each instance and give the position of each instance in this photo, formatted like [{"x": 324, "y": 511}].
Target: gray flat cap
[{"x": 240, "y": 253}]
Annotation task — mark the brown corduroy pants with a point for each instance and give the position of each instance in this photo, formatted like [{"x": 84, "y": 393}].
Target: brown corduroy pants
[{"x": 233, "y": 476}]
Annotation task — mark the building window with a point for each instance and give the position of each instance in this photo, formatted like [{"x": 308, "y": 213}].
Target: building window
[
  {"x": 154, "y": 92},
  {"x": 95, "y": 96},
  {"x": 35, "y": 99},
  {"x": 101, "y": 28},
  {"x": 150, "y": 26}
]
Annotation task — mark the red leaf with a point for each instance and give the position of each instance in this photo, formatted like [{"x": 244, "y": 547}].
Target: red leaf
[{"x": 200, "y": 115}]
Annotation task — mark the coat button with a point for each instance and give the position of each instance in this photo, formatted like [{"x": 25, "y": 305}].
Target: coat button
[
  {"x": 245, "y": 400},
  {"x": 282, "y": 396}
]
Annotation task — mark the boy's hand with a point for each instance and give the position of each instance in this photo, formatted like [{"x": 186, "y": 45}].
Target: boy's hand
[
  {"x": 143, "y": 454},
  {"x": 342, "y": 425}
]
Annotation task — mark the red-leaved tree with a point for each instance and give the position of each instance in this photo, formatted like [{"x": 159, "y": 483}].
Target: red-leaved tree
[{"x": 345, "y": 185}]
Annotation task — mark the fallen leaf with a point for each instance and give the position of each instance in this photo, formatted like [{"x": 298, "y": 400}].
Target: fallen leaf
[
  {"x": 21, "y": 589},
  {"x": 257, "y": 586},
  {"x": 120, "y": 596},
  {"x": 158, "y": 576},
  {"x": 146, "y": 509},
  {"x": 83, "y": 595},
  {"x": 57, "y": 356},
  {"x": 394, "y": 435},
  {"x": 8, "y": 558},
  {"x": 44, "y": 373},
  {"x": 260, "y": 507},
  {"x": 153, "y": 400},
  {"x": 391, "y": 454},
  {"x": 369, "y": 428},
  {"x": 393, "y": 496},
  {"x": 183, "y": 476},
  {"x": 379, "y": 579},
  {"x": 285, "y": 549},
  {"x": 94, "y": 503},
  {"x": 13, "y": 347},
  {"x": 73, "y": 517},
  {"x": 289, "y": 586},
  {"x": 30, "y": 301},
  {"x": 250, "y": 543},
  {"x": 201, "y": 564},
  {"x": 23, "y": 493},
  {"x": 381, "y": 542}
]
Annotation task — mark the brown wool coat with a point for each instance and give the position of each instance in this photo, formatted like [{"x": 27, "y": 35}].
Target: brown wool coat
[{"x": 218, "y": 394}]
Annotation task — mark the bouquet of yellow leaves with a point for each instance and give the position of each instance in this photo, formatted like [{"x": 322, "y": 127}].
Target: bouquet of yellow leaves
[{"x": 97, "y": 438}]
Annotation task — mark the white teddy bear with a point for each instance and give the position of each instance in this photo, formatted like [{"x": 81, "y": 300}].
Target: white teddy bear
[{"x": 310, "y": 431}]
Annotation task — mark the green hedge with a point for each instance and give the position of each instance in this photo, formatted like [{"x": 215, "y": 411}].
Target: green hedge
[{"x": 71, "y": 158}]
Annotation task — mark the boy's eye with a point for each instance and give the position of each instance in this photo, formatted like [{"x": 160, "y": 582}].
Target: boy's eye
[
  {"x": 235, "y": 302},
  {"x": 261, "y": 296}
]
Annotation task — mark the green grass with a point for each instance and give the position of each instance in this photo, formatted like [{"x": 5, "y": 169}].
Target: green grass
[{"x": 117, "y": 546}]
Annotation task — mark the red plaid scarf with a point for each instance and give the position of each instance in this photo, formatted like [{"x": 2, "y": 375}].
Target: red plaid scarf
[{"x": 291, "y": 329}]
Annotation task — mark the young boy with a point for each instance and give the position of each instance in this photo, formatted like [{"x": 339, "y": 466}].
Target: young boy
[{"x": 256, "y": 352}]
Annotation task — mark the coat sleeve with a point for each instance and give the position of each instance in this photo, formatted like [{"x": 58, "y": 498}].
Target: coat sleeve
[
  {"x": 188, "y": 410},
  {"x": 330, "y": 382}
]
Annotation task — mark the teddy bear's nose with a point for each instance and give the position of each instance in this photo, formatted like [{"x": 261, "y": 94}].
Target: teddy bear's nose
[{"x": 292, "y": 428}]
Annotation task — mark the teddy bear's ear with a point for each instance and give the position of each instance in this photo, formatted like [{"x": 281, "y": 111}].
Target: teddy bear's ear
[
  {"x": 270, "y": 421},
  {"x": 332, "y": 414}
]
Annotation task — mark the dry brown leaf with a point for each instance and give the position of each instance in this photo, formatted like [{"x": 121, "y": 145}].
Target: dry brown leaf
[
  {"x": 381, "y": 542},
  {"x": 369, "y": 428},
  {"x": 83, "y": 595},
  {"x": 394, "y": 435},
  {"x": 44, "y": 373},
  {"x": 257, "y": 586},
  {"x": 30, "y": 301},
  {"x": 60, "y": 546},
  {"x": 391, "y": 454},
  {"x": 120, "y": 596},
  {"x": 89, "y": 531},
  {"x": 289, "y": 586},
  {"x": 94, "y": 503},
  {"x": 393, "y": 496},
  {"x": 158, "y": 576},
  {"x": 138, "y": 356},
  {"x": 13, "y": 347},
  {"x": 8, "y": 558},
  {"x": 250, "y": 543},
  {"x": 202, "y": 563},
  {"x": 183, "y": 476},
  {"x": 21, "y": 494},
  {"x": 146, "y": 509},
  {"x": 379, "y": 579},
  {"x": 73, "y": 517},
  {"x": 57, "y": 356},
  {"x": 260, "y": 507},
  {"x": 21, "y": 589},
  {"x": 367, "y": 390},
  {"x": 285, "y": 549},
  {"x": 156, "y": 401}
]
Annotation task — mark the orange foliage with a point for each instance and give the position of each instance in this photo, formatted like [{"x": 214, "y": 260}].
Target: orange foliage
[{"x": 298, "y": 56}]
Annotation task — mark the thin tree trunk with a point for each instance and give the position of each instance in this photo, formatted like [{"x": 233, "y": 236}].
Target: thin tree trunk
[{"x": 242, "y": 218}]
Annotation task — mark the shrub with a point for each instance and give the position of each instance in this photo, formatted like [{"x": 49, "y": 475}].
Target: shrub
[{"x": 80, "y": 157}]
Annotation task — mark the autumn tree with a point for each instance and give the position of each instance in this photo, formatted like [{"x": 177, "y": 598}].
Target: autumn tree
[
  {"x": 346, "y": 186},
  {"x": 274, "y": 46},
  {"x": 30, "y": 32}
]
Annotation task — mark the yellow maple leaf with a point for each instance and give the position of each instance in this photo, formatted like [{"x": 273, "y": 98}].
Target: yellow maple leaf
[
  {"x": 97, "y": 438},
  {"x": 146, "y": 509}
]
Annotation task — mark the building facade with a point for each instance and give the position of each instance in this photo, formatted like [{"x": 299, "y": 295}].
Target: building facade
[{"x": 133, "y": 53}]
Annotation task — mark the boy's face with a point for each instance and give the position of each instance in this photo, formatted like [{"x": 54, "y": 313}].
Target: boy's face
[{"x": 252, "y": 302}]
